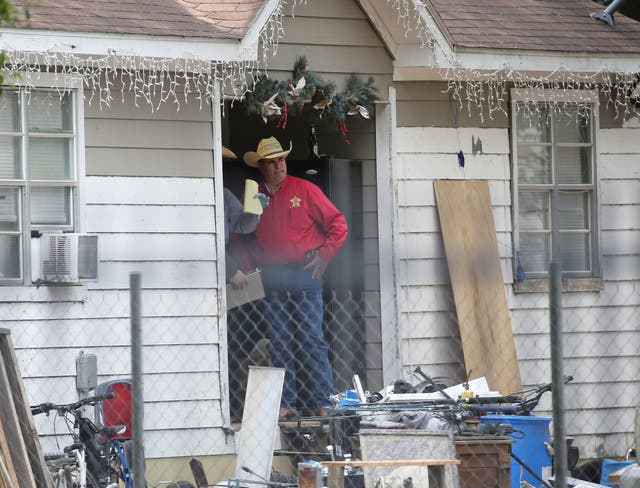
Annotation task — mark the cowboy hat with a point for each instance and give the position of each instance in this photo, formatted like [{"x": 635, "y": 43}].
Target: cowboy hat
[
  {"x": 228, "y": 153},
  {"x": 268, "y": 148}
]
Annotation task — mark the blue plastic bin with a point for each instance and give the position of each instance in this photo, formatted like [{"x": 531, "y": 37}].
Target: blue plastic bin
[
  {"x": 529, "y": 446},
  {"x": 611, "y": 466}
]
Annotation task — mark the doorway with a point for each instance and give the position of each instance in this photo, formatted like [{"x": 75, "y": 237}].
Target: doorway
[{"x": 341, "y": 176}]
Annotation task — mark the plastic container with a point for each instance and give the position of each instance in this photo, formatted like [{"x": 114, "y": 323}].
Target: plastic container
[
  {"x": 348, "y": 399},
  {"x": 611, "y": 466},
  {"x": 529, "y": 445}
]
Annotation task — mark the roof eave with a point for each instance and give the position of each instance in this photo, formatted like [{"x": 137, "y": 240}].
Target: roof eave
[
  {"x": 485, "y": 60},
  {"x": 92, "y": 44}
]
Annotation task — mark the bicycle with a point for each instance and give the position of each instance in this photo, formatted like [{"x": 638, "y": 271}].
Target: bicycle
[
  {"x": 95, "y": 459},
  {"x": 521, "y": 403}
]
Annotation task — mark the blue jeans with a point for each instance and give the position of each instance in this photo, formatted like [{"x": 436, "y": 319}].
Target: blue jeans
[{"x": 293, "y": 311}]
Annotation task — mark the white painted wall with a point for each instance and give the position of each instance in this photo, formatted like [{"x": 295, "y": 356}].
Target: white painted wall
[
  {"x": 158, "y": 220},
  {"x": 602, "y": 337}
]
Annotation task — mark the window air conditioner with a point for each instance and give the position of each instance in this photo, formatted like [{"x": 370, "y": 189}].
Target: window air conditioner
[{"x": 64, "y": 258}]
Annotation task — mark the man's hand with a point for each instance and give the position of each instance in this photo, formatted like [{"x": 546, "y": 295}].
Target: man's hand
[
  {"x": 264, "y": 199},
  {"x": 239, "y": 280},
  {"x": 317, "y": 265}
]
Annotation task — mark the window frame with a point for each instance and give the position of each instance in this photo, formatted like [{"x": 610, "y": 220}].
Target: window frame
[
  {"x": 578, "y": 280},
  {"x": 39, "y": 82}
]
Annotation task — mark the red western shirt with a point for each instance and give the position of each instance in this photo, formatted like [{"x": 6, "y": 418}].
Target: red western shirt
[{"x": 299, "y": 218}]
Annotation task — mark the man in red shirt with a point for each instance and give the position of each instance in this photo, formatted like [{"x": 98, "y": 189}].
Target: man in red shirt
[{"x": 300, "y": 231}]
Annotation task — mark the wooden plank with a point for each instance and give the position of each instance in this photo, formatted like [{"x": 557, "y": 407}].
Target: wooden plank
[
  {"x": 420, "y": 192},
  {"x": 45, "y": 334},
  {"x": 437, "y": 166},
  {"x": 326, "y": 60},
  {"x": 111, "y": 161},
  {"x": 619, "y": 217},
  {"x": 164, "y": 416},
  {"x": 425, "y": 219},
  {"x": 451, "y": 140},
  {"x": 150, "y": 218},
  {"x": 619, "y": 192},
  {"x": 618, "y": 141},
  {"x": 619, "y": 166},
  {"x": 123, "y": 106},
  {"x": 17, "y": 454},
  {"x": 393, "y": 462},
  {"x": 471, "y": 247},
  {"x": 159, "y": 274},
  {"x": 117, "y": 360},
  {"x": 151, "y": 134},
  {"x": 199, "y": 475},
  {"x": 8, "y": 472},
  {"x": 326, "y": 10},
  {"x": 620, "y": 242},
  {"x": 157, "y": 247},
  {"x": 21, "y": 403},
  {"x": 115, "y": 303},
  {"x": 148, "y": 191},
  {"x": 334, "y": 32}
]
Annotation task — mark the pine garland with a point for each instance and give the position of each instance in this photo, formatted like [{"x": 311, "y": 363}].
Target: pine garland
[{"x": 275, "y": 100}]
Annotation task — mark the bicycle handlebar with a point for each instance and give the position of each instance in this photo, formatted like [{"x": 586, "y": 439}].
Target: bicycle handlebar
[{"x": 70, "y": 407}]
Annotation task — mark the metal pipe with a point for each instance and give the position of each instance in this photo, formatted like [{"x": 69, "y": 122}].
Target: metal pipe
[
  {"x": 556, "y": 346},
  {"x": 607, "y": 14},
  {"x": 136, "y": 383},
  {"x": 557, "y": 376}
]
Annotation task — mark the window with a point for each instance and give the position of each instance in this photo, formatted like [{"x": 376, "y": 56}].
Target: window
[
  {"x": 38, "y": 172},
  {"x": 555, "y": 154}
]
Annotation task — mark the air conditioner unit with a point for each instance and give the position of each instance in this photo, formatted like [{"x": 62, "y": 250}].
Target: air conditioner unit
[{"x": 64, "y": 258}]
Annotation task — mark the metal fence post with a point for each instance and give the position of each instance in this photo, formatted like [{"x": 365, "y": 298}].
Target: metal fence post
[
  {"x": 557, "y": 350},
  {"x": 136, "y": 383},
  {"x": 557, "y": 376}
]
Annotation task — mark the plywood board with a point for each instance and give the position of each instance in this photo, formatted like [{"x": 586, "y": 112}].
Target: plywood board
[
  {"x": 28, "y": 442},
  {"x": 17, "y": 455},
  {"x": 7, "y": 470},
  {"x": 471, "y": 247}
]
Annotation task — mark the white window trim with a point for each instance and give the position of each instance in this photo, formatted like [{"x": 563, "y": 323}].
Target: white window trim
[
  {"x": 53, "y": 81},
  {"x": 590, "y": 283}
]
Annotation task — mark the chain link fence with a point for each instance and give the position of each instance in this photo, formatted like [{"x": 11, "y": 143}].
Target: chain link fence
[{"x": 198, "y": 403}]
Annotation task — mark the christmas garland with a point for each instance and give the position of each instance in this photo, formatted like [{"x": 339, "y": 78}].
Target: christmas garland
[{"x": 275, "y": 100}]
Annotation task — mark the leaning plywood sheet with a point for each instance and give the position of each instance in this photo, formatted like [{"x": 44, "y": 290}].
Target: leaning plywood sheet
[
  {"x": 8, "y": 476},
  {"x": 25, "y": 452},
  {"x": 469, "y": 235}
]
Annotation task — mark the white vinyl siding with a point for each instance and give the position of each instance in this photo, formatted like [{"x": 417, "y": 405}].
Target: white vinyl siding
[
  {"x": 600, "y": 328},
  {"x": 555, "y": 184},
  {"x": 148, "y": 193}
]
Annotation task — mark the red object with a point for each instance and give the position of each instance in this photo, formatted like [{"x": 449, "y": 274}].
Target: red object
[
  {"x": 342, "y": 125},
  {"x": 117, "y": 410},
  {"x": 299, "y": 218},
  {"x": 282, "y": 122}
]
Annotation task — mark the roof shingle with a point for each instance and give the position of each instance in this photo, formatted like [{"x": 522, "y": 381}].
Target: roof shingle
[
  {"x": 548, "y": 25},
  {"x": 213, "y": 19}
]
